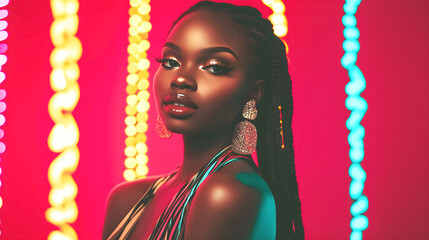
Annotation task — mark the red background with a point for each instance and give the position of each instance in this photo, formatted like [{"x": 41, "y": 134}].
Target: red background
[{"x": 393, "y": 57}]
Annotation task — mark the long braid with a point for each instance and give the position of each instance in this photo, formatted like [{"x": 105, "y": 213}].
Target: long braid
[
  {"x": 282, "y": 178},
  {"x": 276, "y": 164},
  {"x": 286, "y": 102}
]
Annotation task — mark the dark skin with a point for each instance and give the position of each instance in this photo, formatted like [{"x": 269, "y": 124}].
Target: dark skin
[{"x": 204, "y": 58}]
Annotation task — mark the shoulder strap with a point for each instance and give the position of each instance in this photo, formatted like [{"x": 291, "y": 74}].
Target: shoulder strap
[
  {"x": 172, "y": 221},
  {"x": 129, "y": 221}
]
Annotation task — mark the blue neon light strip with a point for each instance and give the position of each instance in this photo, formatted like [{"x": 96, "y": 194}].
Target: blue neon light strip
[{"x": 357, "y": 106}]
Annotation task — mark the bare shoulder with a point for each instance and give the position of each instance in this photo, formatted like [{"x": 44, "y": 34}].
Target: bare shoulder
[
  {"x": 233, "y": 203},
  {"x": 121, "y": 199}
]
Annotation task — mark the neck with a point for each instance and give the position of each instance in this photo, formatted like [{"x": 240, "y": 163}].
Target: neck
[{"x": 199, "y": 149}]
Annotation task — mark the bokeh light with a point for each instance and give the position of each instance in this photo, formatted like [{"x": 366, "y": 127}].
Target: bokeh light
[
  {"x": 3, "y": 60},
  {"x": 137, "y": 100},
  {"x": 358, "y": 107},
  {"x": 278, "y": 18},
  {"x": 64, "y": 136}
]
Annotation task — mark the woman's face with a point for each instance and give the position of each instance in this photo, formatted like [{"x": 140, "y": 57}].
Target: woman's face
[{"x": 204, "y": 77}]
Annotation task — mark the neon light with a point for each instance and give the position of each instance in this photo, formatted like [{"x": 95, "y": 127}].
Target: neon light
[
  {"x": 3, "y": 60},
  {"x": 64, "y": 136},
  {"x": 138, "y": 95},
  {"x": 358, "y": 106}
]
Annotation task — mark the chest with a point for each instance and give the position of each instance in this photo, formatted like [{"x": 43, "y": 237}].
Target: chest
[{"x": 152, "y": 212}]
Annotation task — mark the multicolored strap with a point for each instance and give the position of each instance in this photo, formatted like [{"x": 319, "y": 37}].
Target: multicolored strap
[
  {"x": 171, "y": 224},
  {"x": 124, "y": 228}
]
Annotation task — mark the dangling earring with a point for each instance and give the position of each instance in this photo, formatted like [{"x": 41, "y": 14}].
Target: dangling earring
[
  {"x": 245, "y": 134},
  {"x": 161, "y": 130}
]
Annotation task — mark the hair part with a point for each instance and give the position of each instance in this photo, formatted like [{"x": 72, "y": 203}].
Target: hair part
[{"x": 276, "y": 164}]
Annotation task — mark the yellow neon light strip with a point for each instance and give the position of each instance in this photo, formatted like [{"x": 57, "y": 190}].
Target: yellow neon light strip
[
  {"x": 64, "y": 136},
  {"x": 137, "y": 89}
]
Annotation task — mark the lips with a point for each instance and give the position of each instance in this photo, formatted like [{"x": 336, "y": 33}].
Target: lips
[{"x": 179, "y": 105}]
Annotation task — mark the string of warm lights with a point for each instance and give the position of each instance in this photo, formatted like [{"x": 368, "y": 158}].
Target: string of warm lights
[
  {"x": 358, "y": 106},
  {"x": 64, "y": 136},
  {"x": 278, "y": 18},
  {"x": 137, "y": 89},
  {"x": 280, "y": 26},
  {"x": 3, "y": 60}
]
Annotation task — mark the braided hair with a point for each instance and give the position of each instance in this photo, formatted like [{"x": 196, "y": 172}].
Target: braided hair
[{"x": 274, "y": 150}]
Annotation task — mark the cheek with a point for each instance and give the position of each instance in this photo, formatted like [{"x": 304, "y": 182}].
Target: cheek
[
  {"x": 224, "y": 99},
  {"x": 159, "y": 84}
]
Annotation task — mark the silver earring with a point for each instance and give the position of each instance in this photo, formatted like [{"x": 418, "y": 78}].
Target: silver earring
[
  {"x": 161, "y": 130},
  {"x": 245, "y": 135}
]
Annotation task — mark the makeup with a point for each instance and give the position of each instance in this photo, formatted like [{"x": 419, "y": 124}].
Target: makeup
[{"x": 179, "y": 105}]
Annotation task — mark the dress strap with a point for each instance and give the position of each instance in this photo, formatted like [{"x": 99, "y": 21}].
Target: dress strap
[
  {"x": 171, "y": 224},
  {"x": 247, "y": 159},
  {"x": 127, "y": 224}
]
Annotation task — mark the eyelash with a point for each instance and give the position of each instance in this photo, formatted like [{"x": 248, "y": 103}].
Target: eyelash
[
  {"x": 222, "y": 71},
  {"x": 163, "y": 61}
]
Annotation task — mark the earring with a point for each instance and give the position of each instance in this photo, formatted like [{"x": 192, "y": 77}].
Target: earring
[
  {"x": 161, "y": 130},
  {"x": 245, "y": 135}
]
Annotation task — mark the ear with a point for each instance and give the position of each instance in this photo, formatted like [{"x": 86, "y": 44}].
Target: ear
[{"x": 257, "y": 90}]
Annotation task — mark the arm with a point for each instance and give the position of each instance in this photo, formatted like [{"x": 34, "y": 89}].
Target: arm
[{"x": 232, "y": 206}]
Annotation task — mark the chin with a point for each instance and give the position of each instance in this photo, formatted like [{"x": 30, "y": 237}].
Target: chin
[{"x": 179, "y": 126}]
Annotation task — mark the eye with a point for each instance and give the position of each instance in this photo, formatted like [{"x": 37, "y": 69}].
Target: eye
[
  {"x": 168, "y": 63},
  {"x": 217, "y": 69}
]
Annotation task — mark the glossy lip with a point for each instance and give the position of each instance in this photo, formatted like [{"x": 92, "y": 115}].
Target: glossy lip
[{"x": 179, "y": 105}]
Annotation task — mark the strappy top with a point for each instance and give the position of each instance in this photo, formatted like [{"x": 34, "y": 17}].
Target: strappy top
[{"x": 171, "y": 223}]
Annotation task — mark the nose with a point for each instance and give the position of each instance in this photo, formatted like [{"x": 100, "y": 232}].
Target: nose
[{"x": 184, "y": 83}]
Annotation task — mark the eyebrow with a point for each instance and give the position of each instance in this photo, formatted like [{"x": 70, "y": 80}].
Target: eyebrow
[{"x": 204, "y": 51}]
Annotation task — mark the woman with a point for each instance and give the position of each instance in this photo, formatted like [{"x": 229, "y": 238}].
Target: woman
[{"x": 221, "y": 67}]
